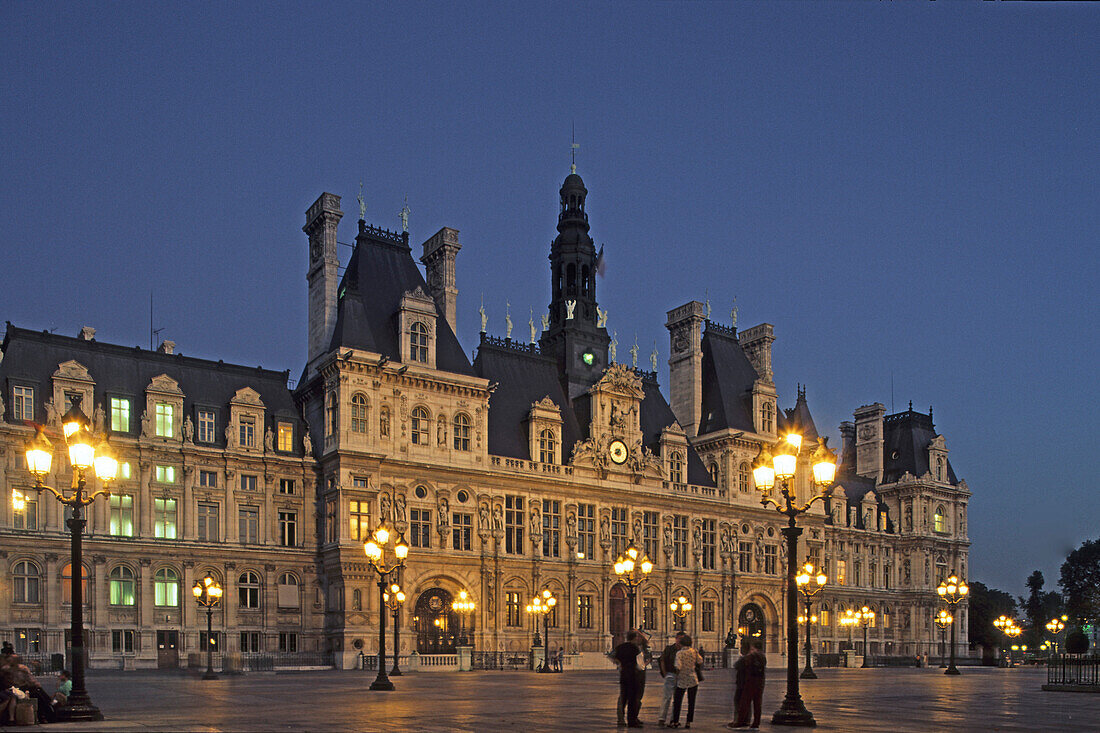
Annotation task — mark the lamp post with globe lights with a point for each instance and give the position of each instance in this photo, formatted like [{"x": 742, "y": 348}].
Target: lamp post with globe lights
[
  {"x": 680, "y": 608},
  {"x": 809, "y": 585},
  {"x": 943, "y": 619},
  {"x": 208, "y": 593},
  {"x": 632, "y": 572},
  {"x": 393, "y": 598},
  {"x": 1056, "y": 626},
  {"x": 543, "y": 605},
  {"x": 87, "y": 454},
  {"x": 952, "y": 591},
  {"x": 375, "y": 549},
  {"x": 463, "y": 606},
  {"x": 776, "y": 469},
  {"x": 866, "y": 616}
]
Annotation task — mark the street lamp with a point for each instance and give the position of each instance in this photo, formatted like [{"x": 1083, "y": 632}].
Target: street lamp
[
  {"x": 208, "y": 593},
  {"x": 542, "y": 605},
  {"x": 943, "y": 619},
  {"x": 1004, "y": 624},
  {"x": 809, "y": 585},
  {"x": 84, "y": 456},
  {"x": 1056, "y": 626},
  {"x": 777, "y": 469},
  {"x": 680, "y": 609},
  {"x": 463, "y": 606},
  {"x": 865, "y": 616},
  {"x": 632, "y": 573},
  {"x": 393, "y": 600},
  {"x": 375, "y": 549},
  {"x": 952, "y": 591}
]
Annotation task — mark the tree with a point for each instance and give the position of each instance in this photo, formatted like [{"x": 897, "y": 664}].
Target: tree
[
  {"x": 1039, "y": 608},
  {"x": 1081, "y": 581},
  {"x": 986, "y": 604},
  {"x": 1033, "y": 604}
]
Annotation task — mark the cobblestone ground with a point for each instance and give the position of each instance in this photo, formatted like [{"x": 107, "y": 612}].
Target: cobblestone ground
[{"x": 895, "y": 700}]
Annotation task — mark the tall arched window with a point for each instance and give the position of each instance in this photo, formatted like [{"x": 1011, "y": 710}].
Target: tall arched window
[
  {"x": 418, "y": 342},
  {"x": 548, "y": 446},
  {"x": 121, "y": 585},
  {"x": 359, "y": 413},
  {"x": 743, "y": 474},
  {"x": 286, "y": 591},
  {"x": 331, "y": 422},
  {"x": 939, "y": 521},
  {"x": 462, "y": 431},
  {"x": 166, "y": 588},
  {"x": 676, "y": 467},
  {"x": 939, "y": 468},
  {"x": 767, "y": 417},
  {"x": 885, "y": 617},
  {"x": 67, "y": 584},
  {"x": 712, "y": 469},
  {"x": 421, "y": 422},
  {"x": 823, "y": 614},
  {"x": 25, "y": 575},
  {"x": 248, "y": 590}
]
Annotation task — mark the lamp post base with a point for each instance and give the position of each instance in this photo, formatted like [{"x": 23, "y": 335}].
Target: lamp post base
[
  {"x": 382, "y": 683},
  {"x": 395, "y": 672},
  {"x": 210, "y": 675},
  {"x": 808, "y": 674},
  {"x": 793, "y": 713},
  {"x": 952, "y": 670},
  {"x": 77, "y": 712}
]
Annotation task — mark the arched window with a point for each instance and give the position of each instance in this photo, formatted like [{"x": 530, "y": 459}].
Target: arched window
[
  {"x": 331, "y": 423},
  {"x": 121, "y": 585},
  {"x": 571, "y": 279},
  {"x": 67, "y": 584},
  {"x": 584, "y": 280},
  {"x": 359, "y": 413},
  {"x": 25, "y": 575},
  {"x": 418, "y": 342},
  {"x": 676, "y": 467},
  {"x": 712, "y": 469},
  {"x": 286, "y": 591},
  {"x": 462, "y": 431},
  {"x": 939, "y": 521},
  {"x": 743, "y": 474},
  {"x": 939, "y": 468},
  {"x": 248, "y": 590},
  {"x": 767, "y": 417},
  {"x": 548, "y": 446},
  {"x": 421, "y": 422},
  {"x": 357, "y": 600},
  {"x": 166, "y": 588}
]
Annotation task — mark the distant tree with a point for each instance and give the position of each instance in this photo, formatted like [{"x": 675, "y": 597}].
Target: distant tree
[
  {"x": 1081, "y": 581},
  {"x": 1038, "y": 608},
  {"x": 1033, "y": 604},
  {"x": 986, "y": 604},
  {"x": 1077, "y": 642}
]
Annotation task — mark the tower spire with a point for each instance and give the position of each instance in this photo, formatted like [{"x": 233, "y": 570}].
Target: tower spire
[{"x": 573, "y": 146}]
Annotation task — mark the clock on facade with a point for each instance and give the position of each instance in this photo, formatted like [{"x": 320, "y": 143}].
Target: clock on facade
[
  {"x": 588, "y": 357},
  {"x": 617, "y": 451}
]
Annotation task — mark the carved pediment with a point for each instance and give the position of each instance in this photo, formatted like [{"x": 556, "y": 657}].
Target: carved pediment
[
  {"x": 164, "y": 384},
  {"x": 622, "y": 379},
  {"x": 73, "y": 370},
  {"x": 546, "y": 404},
  {"x": 247, "y": 396}
]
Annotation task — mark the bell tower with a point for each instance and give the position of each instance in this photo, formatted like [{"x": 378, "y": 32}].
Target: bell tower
[{"x": 574, "y": 339}]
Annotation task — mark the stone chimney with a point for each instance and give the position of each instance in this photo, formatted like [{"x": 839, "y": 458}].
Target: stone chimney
[
  {"x": 848, "y": 444},
  {"x": 685, "y": 364},
  {"x": 86, "y": 334},
  {"x": 167, "y": 347},
  {"x": 869, "y": 440},
  {"x": 321, "y": 221},
  {"x": 757, "y": 345},
  {"x": 440, "y": 252}
]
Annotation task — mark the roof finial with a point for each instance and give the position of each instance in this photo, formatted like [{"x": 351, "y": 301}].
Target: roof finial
[
  {"x": 362, "y": 204},
  {"x": 930, "y": 413},
  {"x": 910, "y": 405},
  {"x": 573, "y": 149},
  {"x": 404, "y": 214}
]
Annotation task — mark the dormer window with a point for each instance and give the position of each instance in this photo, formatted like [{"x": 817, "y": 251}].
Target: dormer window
[
  {"x": 547, "y": 446},
  {"x": 248, "y": 431},
  {"x": 767, "y": 418},
  {"x": 712, "y": 469},
  {"x": 939, "y": 468},
  {"x": 418, "y": 342},
  {"x": 420, "y": 422},
  {"x": 359, "y": 413},
  {"x": 676, "y": 467},
  {"x": 164, "y": 419},
  {"x": 331, "y": 415}
]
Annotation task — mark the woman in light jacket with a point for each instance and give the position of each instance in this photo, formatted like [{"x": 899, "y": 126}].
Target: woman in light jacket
[{"x": 688, "y": 660}]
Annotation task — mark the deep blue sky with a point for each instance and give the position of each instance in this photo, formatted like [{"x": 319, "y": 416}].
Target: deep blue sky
[{"x": 908, "y": 191}]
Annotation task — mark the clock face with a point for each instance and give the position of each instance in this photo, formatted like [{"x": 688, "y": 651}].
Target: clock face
[{"x": 617, "y": 451}]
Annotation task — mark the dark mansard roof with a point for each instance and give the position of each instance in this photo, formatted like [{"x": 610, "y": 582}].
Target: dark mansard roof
[
  {"x": 905, "y": 446},
  {"x": 728, "y": 378}
]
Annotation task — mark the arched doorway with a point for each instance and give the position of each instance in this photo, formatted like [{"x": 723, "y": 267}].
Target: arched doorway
[
  {"x": 435, "y": 622},
  {"x": 751, "y": 624},
  {"x": 617, "y": 607}
]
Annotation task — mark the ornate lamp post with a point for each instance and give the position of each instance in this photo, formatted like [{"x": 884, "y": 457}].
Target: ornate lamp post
[
  {"x": 632, "y": 573},
  {"x": 680, "y": 609},
  {"x": 1056, "y": 626},
  {"x": 84, "y": 456},
  {"x": 1003, "y": 624},
  {"x": 866, "y": 616},
  {"x": 393, "y": 600},
  {"x": 777, "y": 470},
  {"x": 952, "y": 591},
  {"x": 542, "y": 605},
  {"x": 375, "y": 549},
  {"x": 943, "y": 619},
  {"x": 809, "y": 585},
  {"x": 208, "y": 593},
  {"x": 463, "y": 606},
  {"x": 849, "y": 619}
]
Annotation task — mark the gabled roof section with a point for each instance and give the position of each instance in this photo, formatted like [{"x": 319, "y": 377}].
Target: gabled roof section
[
  {"x": 798, "y": 419},
  {"x": 380, "y": 271},
  {"x": 907, "y": 436},
  {"x": 655, "y": 416},
  {"x": 728, "y": 378}
]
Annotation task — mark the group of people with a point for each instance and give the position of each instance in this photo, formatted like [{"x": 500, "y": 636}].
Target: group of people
[
  {"x": 681, "y": 668},
  {"x": 18, "y": 683}
]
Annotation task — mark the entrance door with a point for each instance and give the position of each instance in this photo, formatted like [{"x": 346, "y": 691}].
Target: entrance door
[
  {"x": 617, "y": 608},
  {"x": 435, "y": 622},
  {"x": 751, "y": 624},
  {"x": 168, "y": 653}
]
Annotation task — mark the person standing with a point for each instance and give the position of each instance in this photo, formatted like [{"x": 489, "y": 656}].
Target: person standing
[
  {"x": 626, "y": 656},
  {"x": 739, "y": 686},
  {"x": 666, "y": 665},
  {"x": 752, "y": 694},
  {"x": 688, "y": 663}
]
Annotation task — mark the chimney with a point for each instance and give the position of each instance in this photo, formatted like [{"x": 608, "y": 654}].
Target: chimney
[
  {"x": 848, "y": 445},
  {"x": 86, "y": 334},
  {"x": 757, "y": 344},
  {"x": 869, "y": 440},
  {"x": 167, "y": 347},
  {"x": 685, "y": 365},
  {"x": 439, "y": 264},
  {"x": 321, "y": 221}
]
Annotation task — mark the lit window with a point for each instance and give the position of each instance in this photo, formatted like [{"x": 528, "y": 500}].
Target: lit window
[
  {"x": 676, "y": 468},
  {"x": 358, "y": 413},
  {"x": 421, "y": 422},
  {"x": 28, "y": 641},
  {"x": 462, "y": 432},
  {"x": 124, "y": 470},
  {"x": 939, "y": 520},
  {"x": 166, "y": 588},
  {"x": 26, "y": 577},
  {"x": 27, "y": 517},
  {"x": 286, "y": 437},
  {"x": 164, "y": 518},
  {"x": 359, "y": 515},
  {"x": 121, "y": 584},
  {"x": 122, "y": 516},
  {"x": 548, "y": 446},
  {"x": 166, "y": 474},
  {"x": 207, "y": 425},
  {"x": 120, "y": 415},
  {"x": 23, "y": 403},
  {"x": 67, "y": 584},
  {"x": 248, "y": 431},
  {"x": 418, "y": 342},
  {"x": 248, "y": 590},
  {"x": 584, "y": 611},
  {"x": 511, "y": 608},
  {"x": 841, "y": 572},
  {"x": 164, "y": 413}
]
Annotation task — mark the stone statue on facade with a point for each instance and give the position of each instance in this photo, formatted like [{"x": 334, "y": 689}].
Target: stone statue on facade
[
  {"x": 404, "y": 214},
  {"x": 531, "y": 324},
  {"x": 269, "y": 440},
  {"x": 727, "y": 541},
  {"x": 545, "y": 321},
  {"x": 230, "y": 437},
  {"x": 611, "y": 347},
  {"x": 484, "y": 318},
  {"x": 399, "y": 515},
  {"x": 570, "y": 306},
  {"x": 653, "y": 358},
  {"x": 307, "y": 442},
  {"x": 483, "y": 517},
  {"x": 536, "y": 523},
  {"x": 507, "y": 320},
  {"x": 384, "y": 505},
  {"x": 188, "y": 430},
  {"x": 601, "y": 317},
  {"x": 99, "y": 419},
  {"x": 498, "y": 518},
  {"x": 53, "y": 417},
  {"x": 605, "y": 531},
  {"x": 634, "y": 353},
  {"x": 668, "y": 539},
  {"x": 571, "y": 529},
  {"x": 733, "y": 314},
  {"x": 362, "y": 202},
  {"x": 444, "y": 508}
]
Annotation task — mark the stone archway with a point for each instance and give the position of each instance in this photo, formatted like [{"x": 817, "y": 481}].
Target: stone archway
[
  {"x": 617, "y": 608},
  {"x": 752, "y": 624},
  {"x": 436, "y": 624}
]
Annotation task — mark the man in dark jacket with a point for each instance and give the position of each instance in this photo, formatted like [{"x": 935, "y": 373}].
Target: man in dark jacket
[
  {"x": 626, "y": 656},
  {"x": 752, "y": 693}
]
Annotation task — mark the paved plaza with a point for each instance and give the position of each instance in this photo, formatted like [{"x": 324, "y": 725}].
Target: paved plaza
[{"x": 896, "y": 700}]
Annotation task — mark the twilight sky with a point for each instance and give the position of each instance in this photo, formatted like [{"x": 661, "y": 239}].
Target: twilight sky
[{"x": 907, "y": 191}]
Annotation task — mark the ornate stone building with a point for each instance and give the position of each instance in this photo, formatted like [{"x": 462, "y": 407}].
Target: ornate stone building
[{"x": 531, "y": 467}]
